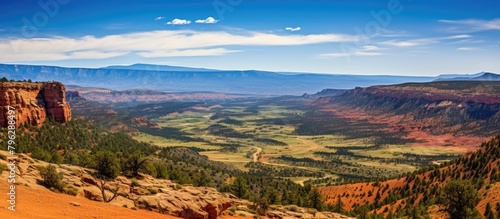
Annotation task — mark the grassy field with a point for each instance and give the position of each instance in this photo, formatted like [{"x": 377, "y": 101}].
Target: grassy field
[{"x": 249, "y": 124}]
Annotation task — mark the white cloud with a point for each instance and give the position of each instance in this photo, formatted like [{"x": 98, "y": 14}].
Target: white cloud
[
  {"x": 403, "y": 43},
  {"x": 334, "y": 55},
  {"x": 454, "y": 37},
  {"x": 361, "y": 53},
  {"x": 159, "y": 18},
  {"x": 178, "y": 21},
  {"x": 209, "y": 20},
  {"x": 293, "y": 29},
  {"x": 365, "y": 51},
  {"x": 370, "y": 48},
  {"x": 358, "y": 53},
  {"x": 472, "y": 25},
  {"x": 165, "y": 43},
  {"x": 467, "y": 48},
  {"x": 187, "y": 52},
  {"x": 423, "y": 41}
]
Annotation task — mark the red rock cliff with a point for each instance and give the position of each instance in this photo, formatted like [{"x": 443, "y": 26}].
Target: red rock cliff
[{"x": 34, "y": 102}]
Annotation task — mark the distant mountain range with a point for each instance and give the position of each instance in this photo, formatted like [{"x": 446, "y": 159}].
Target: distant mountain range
[
  {"x": 483, "y": 76},
  {"x": 448, "y": 76},
  {"x": 148, "y": 67},
  {"x": 184, "y": 79}
]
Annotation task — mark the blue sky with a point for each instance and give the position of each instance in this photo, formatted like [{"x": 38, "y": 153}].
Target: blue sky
[{"x": 397, "y": 37}]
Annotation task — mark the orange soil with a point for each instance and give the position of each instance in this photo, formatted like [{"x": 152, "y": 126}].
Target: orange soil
[
  {"x": 33, "y": 203},
  {"x": 398, "y": 123},
  {"x": 492, "y": 195},
  {"x": 331, "y": 193}
]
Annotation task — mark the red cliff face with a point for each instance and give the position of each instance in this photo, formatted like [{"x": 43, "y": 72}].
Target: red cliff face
[{"x": 34, "y": 102}]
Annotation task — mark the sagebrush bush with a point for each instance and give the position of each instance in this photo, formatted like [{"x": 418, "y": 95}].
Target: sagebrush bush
[{"x": 51, "y": 178}]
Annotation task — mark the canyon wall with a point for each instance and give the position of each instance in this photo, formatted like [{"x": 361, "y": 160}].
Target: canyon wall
[
  {"x": 470, "y": 108},
  {"x": 34, "y": 102}
]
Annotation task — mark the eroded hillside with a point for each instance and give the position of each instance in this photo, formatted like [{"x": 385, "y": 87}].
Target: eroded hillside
[
  {"x": 423, "y": 188},
  {"x": 457, "y": 113}
]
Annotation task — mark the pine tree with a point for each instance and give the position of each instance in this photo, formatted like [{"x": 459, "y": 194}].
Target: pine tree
[
  {"x": 489, "y": 214},
  {"x": 239, "y": 187},
  {"x": 273, "y": 196},
  {"x": 460, "y": 199},
  {"x": 315, "y": 199},
  {"x": 390, "y": 215},
  {"x": 107, "y": 164},
  {"x": 134, "y": 163},
  {"x": 201, "y": 179},
  {"x": 339, "y": 205},
  {"x": 414, "y": 213}
]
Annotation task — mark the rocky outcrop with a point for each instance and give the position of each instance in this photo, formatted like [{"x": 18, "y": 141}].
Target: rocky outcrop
[
  {"x": 188, "y": 202},
  {"x": 34, "y": 102},
  {"x": 159, "y": 195}
]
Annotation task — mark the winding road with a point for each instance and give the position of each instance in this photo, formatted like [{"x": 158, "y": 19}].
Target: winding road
[{"x": 256, "y": 154}]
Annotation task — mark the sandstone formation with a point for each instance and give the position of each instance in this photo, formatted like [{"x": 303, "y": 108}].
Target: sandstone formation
[
  {"x": 34, "y": 102},
  {"x": 158, "y": 195}
]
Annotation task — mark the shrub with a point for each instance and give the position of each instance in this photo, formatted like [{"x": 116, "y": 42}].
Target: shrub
[
  {"x": 293, "y": 208},
  {"x": 134, "y": 183},
  {"x": 312, "y": 211},
  {"x": 70, "y": 190},
  {"x": 2, "y": 167},
  {"x": 107, "y": 164},
  {"x": 51, "y": 178},
  {"x": 3, "y": 157},
  {"x": 153, "y": 191}
]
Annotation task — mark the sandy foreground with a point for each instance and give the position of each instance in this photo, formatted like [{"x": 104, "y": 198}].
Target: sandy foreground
[{"x": 33, "y": 203}]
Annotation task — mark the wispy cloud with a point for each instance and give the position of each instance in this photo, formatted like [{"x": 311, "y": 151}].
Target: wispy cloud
[
  {"x": 423, "y": 41},
  {"x": 293, "y": 29},
  {"x": 159, "y": 18},
  {"x": 408, "y": 43},
  {"x": 178, "y": 21},
  {"x": 370, "y": 48},
  {"x": 166, "y": 43},
  {"x": 340, "y": 55},
  {"x": 209, "y": 20},
  {"x": 364, "y": 51},
  {"x": 467, "y": 41},
  {"x": 186, "y": 52},
  {"x": 467, "y": 48},
  {"x": 472, "y": 25}
]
